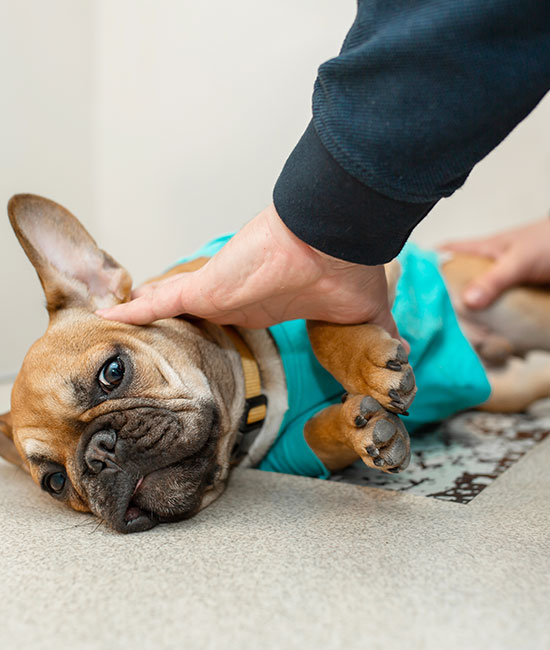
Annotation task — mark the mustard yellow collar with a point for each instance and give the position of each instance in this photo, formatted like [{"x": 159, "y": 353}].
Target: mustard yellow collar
[{"x": 256, "y": 401}]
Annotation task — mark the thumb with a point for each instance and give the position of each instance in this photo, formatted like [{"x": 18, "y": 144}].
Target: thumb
[
  {"x": 385, "y": 320},
  {"x": 485, "y": 289}
]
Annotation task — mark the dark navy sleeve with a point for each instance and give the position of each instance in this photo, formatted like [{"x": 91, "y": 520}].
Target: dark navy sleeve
[{"x": 421, "y": 91}]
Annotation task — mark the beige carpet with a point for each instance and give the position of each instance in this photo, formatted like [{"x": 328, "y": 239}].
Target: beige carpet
[{"x": 284, "y": 562}]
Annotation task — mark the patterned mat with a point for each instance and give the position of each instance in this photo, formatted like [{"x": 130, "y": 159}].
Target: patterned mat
[{"x": 458, "y": 458}]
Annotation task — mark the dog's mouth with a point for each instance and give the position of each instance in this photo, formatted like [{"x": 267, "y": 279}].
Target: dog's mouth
[
  {"x": 133, "y": 511},
  {"x": 152, "y": 501},
  {"x": 136, "y": 518}
]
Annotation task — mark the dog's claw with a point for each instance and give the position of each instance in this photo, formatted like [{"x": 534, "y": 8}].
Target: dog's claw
[
  {"x": 372, "y": 450},
  {"x": 379, "y": 462},
  {"x": 360, "y": 421}
]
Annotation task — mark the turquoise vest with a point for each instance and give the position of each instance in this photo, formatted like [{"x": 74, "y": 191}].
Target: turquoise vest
[{"x": 449, "y": 374}]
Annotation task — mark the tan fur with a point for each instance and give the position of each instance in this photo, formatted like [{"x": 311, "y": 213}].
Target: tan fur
[
  {"x": 356, "y": 355},
  {"x": 7, "y": 446}
]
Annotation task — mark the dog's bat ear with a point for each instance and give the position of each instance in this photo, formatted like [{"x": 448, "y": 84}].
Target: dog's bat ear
[
  {"x": 73, "y": 271},
  {"x": 8, "y": 450}
]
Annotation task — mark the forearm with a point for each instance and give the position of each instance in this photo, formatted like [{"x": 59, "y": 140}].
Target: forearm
[{"x": 419, "y": 94}]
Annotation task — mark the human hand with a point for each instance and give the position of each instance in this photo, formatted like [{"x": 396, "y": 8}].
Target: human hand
[
  {"x": 262, "y": 276},
  {"x": 522, "y": 255}
]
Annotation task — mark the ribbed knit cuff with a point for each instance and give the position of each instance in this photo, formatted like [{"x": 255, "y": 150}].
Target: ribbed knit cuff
[{"x": 335, "y": 213}]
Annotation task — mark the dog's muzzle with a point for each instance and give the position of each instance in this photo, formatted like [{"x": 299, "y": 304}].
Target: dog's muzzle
[{"x": 141, "y": 466}]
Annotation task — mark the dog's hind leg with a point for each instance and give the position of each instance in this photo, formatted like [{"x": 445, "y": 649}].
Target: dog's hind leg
[
  {"x": 521, "y": 315},
  {"x": 518, "y": 383},
  {"x": 358, "y": 428},
  {"x": 366, "y": 360}
]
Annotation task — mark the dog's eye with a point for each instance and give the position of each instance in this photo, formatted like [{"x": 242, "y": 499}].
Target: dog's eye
[
  {"x": 54, "y": 483},
  {"x": 111, "y": 374}
]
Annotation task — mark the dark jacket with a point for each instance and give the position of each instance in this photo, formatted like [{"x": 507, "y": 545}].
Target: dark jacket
[{"x": 421, "y": 91}]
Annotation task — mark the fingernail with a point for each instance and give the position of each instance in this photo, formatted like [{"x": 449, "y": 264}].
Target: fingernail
[
  {"x": 474, "y": 296},
  {"x": 101, "y": 312}
]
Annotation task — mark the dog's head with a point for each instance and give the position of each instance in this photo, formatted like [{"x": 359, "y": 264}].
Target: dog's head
[{"x": 111, "y": 418}]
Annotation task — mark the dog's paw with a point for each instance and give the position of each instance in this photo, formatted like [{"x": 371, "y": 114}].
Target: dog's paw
[
  {"x": 388, "y": 377},
  {"x": 377, "y": 436}
]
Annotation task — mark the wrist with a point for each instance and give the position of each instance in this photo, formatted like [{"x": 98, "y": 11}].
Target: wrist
[
  {"x": 338, "y": 214},
  {"x": 287, "y": 240}
]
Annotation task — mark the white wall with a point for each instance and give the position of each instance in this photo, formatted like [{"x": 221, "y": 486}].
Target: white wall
[
  {"x": 162, "y": 123},
  {"x": 46, "y": 53},
  {"x": 199, "y": 106}
]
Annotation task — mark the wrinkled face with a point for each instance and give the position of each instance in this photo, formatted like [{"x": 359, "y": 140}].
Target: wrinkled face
[
  {"x": 110, "y": 418},
  {"x": 114, "y": 427}
]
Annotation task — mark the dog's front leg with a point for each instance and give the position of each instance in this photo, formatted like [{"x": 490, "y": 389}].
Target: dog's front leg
[
  {"x": 366, "y": 360},
  {"x": 358, "y": 428}
]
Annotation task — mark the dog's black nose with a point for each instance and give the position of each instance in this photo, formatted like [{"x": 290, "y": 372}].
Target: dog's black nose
[{"x": 100, "y": 452}]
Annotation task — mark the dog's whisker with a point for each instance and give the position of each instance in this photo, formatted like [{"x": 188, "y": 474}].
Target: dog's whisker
[
  {"x": 84, "y": 523},
  {"x": 101, "y": 521}
]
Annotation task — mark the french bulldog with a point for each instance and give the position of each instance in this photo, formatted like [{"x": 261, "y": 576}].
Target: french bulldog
[{"x": 142, "y": 425}]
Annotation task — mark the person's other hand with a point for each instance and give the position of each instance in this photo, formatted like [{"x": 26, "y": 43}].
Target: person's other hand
[
  {"x": 262, "y": 276},
  {"x": 522, "y": 255}
]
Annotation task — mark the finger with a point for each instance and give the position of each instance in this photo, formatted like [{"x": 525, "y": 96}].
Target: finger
[
  {"x": 385, "y": 320},
  {"x": 473, "y": 247},
  {"x": 388, "y": 323},
  {"x": 162, "y": 301},
  {"x": 485, "y": 289},
  {"x": 136, "y": 312}
]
